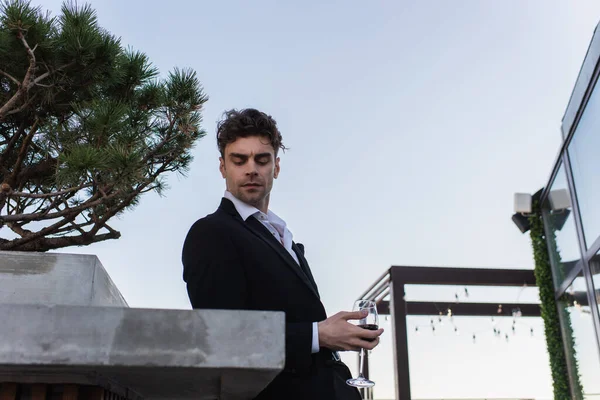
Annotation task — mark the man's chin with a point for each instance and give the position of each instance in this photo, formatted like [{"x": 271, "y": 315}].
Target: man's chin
[{"x": 252, "y": 199}]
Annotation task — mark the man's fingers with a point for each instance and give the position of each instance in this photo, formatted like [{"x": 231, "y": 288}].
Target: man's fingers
[
  {"x": 368, "y": 339},
  {"x": 367, "y": 334},
  {"x": 364, "y": 344},
  {"x": 347, "y": 315},
  {"x": 370, "y": 345}
]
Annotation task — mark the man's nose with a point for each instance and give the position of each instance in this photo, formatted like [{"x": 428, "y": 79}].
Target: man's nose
[{"x": 251, "y": 168}]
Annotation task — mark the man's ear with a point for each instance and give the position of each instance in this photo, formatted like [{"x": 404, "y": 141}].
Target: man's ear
[
  {"x": 277, "y": 168},
  {"x": 222, "y": 167}
]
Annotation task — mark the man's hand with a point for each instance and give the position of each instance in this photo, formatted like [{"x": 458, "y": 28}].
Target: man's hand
[{"x": 337, "y": 334}]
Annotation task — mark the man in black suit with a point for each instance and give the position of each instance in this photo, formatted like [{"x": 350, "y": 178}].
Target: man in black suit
[{"x": 243, "y": 257}]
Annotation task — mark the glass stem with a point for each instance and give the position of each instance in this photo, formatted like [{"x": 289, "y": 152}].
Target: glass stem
[{"x": 361, "y": 363}]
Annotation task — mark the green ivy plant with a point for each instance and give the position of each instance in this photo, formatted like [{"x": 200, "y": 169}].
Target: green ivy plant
[{"x": 552, "y": 312}]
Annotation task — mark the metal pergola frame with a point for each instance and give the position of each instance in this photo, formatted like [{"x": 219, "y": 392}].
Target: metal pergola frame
[{"x": 393, "y": 282}]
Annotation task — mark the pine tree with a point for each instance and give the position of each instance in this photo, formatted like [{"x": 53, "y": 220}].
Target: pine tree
[{"x": 86, "y": 127}]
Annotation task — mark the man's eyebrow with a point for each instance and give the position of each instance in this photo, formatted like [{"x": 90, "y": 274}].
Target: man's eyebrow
[
  {"x": 244, "y": 156},
  {"x": 262, "y": 155},
  {"x": 238, "y": 155}
]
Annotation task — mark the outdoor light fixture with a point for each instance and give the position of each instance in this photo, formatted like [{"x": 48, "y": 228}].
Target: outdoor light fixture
[
  {"x": 523, "y": 208},
  {"x": 560, "y": 204},
  {"x": 523, "y": 203},
  {"x": 559, "y": 199},
  {"x": 522, "y": 222}
]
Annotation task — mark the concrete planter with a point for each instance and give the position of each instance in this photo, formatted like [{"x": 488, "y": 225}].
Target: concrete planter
[{"x": 62, "y": 320}]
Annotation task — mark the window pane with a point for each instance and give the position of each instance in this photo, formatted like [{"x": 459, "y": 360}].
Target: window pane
[
  {"x": 595, "y": 267},
  {"x": 585, "y": 165},
  {"x": 583, "y": 347},
  {"x": 564, "y": 246}
]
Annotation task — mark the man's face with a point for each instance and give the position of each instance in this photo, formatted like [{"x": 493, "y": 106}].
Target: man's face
[{"x": 249, "y": 166}]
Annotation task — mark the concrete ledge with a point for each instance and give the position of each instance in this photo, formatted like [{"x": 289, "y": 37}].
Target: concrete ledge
[
  {"x": 55, "y": 278},
  {"x": 174, "y": 354}
]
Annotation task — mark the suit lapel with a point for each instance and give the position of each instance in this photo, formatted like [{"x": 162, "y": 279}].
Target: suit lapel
[
  {"x": 258, "y": 229},
  {"x": 262, "y": 232},
  {"x": 304, "y": 264}
]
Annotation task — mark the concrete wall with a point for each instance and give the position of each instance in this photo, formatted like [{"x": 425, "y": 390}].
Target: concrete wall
[
  {"x": 53, "y": 278},
  {"x": 62, "y": 320}
]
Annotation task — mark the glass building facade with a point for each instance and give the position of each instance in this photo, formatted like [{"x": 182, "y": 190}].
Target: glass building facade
[{"x": 571, "y": 209}]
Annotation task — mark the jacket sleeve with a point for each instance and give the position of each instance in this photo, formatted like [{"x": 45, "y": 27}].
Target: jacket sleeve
[
  {"x": 298, "y": 345},
  {"x": 216, "y": 279},
  {"x": 214, "y": 275}
]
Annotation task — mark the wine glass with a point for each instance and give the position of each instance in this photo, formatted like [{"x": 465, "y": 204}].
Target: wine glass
[{"x": 370, "y": 322}]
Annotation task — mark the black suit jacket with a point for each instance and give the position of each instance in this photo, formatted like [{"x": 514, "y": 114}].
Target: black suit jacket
[{"x": 229, "y": 263}]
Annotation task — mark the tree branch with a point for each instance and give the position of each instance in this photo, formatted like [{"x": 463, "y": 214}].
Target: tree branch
[
  {"x": 56, "y": 243},
  {"x": 100, "y": 222},
  {"x": 43, "y": 169},
  {"x": 13, "y": 140},
  {"x": 9, "y": 104},
  {"x": 47, "y": 74},
  {"x": 10, "y": 181},
  {"x": 23, "y": 153},
  {"x": 44, "y": 86},
  {"x": 27, "y": 81},
  {"x": 46, "y": 195},
  {"x": 9, "y": 76},
  {"x": 41, "y": 233},
  {"x": 31, "y": 70},
  {"x": 149, "y": 189},
  {"x": 74, "y": 226},
  {"x": 54, "y": 204},
  {"x": 91, "y": 202},
  {"x": 23, "y": 107},
  {"x": 16, "y": 228}
]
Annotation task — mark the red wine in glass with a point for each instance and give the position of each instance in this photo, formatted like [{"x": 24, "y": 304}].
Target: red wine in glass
[
  {"x": 369, "y": 322},
  {"x": 370, "y": 327}
]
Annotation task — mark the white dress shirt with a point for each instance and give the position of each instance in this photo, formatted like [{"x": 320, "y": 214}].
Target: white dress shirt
[{"x": 279, "y": 230}]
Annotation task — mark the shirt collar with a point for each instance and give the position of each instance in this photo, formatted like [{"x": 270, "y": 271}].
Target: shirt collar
[
  {"x": 274, "y": 218},
  {"x": 245, "y": 210}
]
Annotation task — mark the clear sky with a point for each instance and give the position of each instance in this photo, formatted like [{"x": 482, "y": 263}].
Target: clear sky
[{"x": 411, "y": 125}]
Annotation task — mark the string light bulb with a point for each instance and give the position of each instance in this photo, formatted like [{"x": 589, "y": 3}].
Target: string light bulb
[{"x": 516, "y": 313}]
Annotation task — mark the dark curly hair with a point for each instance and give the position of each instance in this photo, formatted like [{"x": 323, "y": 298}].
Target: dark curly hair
[{"x": 245, "y": 123}]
